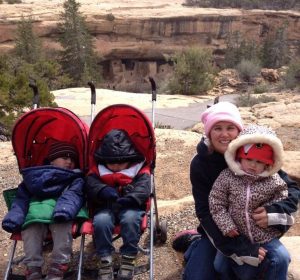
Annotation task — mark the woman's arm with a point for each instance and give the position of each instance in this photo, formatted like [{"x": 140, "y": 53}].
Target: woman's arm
[{"x": 280, "y": 214}]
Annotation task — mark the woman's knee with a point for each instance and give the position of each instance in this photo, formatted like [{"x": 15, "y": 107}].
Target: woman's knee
[{"x": 278, "y": 254}]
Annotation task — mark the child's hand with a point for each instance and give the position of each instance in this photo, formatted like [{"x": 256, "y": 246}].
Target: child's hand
[
  {"x": 127, "y": 202},
  {"x": 108, "y": 193},
  {"x": 261, "y": 253},
  {"x": 233, "y": 233}
]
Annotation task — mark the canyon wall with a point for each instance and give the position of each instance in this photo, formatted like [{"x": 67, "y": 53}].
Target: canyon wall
[{"x": 137, "y": 37}]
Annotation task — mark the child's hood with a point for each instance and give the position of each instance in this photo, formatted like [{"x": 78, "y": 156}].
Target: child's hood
[
  {"x": 255, "y": 134},
  {"x": 48, "y": 180},
  {"x": 116, "y": 147}
]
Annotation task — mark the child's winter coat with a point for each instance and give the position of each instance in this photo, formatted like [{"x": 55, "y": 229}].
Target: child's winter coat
[
  {"x": 133, "y": 182},
  {"x": 46, "y": 195},
  {"x": 236, "y": 194}
]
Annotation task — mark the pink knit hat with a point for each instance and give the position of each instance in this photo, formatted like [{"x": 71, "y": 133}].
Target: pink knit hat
[{"x": 222, "y": 111}]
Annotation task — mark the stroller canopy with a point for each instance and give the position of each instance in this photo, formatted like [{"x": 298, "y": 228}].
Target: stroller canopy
[
  {"x": 128, "y": 118},
  {"x": 34, "y": 132}
]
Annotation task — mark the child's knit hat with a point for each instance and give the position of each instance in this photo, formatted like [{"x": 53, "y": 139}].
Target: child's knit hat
[
  {"x": 257, "y": 151},
  {"x": 62, "y": 149},
  {"x": 222, "y": 111}
]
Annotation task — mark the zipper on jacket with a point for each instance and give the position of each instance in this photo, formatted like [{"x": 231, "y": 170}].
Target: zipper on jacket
[{"x": 248, "y": 196}]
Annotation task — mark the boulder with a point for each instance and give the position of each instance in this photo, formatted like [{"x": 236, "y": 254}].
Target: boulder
[{"x": 271, "y": 75}]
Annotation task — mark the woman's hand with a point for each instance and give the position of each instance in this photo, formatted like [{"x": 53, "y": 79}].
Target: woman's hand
[
  {"x": 260, "y": 217},
  {"x": 261, "y": 254}
]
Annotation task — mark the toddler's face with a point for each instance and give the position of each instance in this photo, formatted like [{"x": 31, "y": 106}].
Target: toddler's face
[
  {"x": 63, "y": 162},
  {"x": 116, "y": 167},
  {"x": 253, "y": 166}
]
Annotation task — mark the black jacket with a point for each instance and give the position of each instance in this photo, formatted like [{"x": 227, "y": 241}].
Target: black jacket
[{"x": 117, "y": 147}]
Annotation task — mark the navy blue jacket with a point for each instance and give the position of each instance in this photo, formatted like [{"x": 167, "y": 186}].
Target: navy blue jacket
[
  {"x": 40, "y": 185},
  {"x": 205, "y": 168}
]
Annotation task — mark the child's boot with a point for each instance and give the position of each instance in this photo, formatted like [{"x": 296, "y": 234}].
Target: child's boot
[
  {"x": 105, "y": 271},
  {"x": 126, "y": 271},
  {"x": 57, "y": 271},
  {"x": 33, "y": 273}
]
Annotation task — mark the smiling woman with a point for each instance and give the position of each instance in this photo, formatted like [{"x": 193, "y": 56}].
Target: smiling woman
[{"x": 222, "y": 124}]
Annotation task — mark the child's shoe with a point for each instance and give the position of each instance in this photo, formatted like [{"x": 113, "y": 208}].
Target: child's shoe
[
  {"x": 57, "y": 271},
  {"x": 126, "y": 271},
  {"x": 105, "y": 271},
  {"x": 33, "y": 273}
]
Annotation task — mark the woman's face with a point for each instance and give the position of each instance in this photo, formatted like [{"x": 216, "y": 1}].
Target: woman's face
[{"x": 221, "y": 134}]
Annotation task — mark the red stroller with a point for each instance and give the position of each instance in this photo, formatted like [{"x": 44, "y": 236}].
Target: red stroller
[
  {"x": 141, "y": 133},
  {"x": 32, "y": 135}
]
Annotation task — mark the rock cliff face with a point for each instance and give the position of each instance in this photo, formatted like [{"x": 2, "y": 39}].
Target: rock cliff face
[{"x": 135, "y": 38}]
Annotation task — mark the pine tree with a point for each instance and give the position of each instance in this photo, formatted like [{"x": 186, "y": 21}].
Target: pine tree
[
  {"x": 275, "y": 50},
  {"x": 193, "y": 72},
  {"x": 28, "y": 46},
  {"x": 78, "y": 57}
]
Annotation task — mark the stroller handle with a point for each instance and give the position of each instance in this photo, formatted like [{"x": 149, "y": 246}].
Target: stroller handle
[
  {"x": 153, "y": 88},
  {"x": 36, "y": 95},
  {"x": 93, "y": 99},
  {"x": 93, "y": 92}
]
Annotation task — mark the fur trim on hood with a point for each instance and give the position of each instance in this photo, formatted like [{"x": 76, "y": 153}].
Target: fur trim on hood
[{"x": 255, "y": 134}]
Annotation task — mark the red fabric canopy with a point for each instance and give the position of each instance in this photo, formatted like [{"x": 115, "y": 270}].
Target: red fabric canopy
[
  {"x": 126, "y": 117},
  {"x": 36, "y": 130}
]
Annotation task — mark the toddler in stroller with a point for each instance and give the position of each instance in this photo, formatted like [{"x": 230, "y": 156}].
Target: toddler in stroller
[
  {"x": 49, "y": 198},
  {"x": 118, "y": 188}
]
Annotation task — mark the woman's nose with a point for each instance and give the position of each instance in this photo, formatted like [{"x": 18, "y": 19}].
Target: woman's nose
[{"x": 224, "y": 132}]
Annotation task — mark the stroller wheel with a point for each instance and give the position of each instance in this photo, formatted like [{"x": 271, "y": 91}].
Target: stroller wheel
[{"x": 160, "y": 233}]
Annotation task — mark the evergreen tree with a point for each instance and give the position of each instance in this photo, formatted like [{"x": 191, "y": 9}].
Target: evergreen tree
[
  {"x": 15, "y": 94},
  {"x": 27, "y": 46},
  {"x": 193, "y": 72},
  {"x": 78, "y": 57},
  {"x": 238, "y": 49},
  {"x": 275, "y": 50}
]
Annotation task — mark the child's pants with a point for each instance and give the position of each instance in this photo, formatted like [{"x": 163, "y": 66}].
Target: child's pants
[
  {"x": 34, "y": 235},
  {"x": 130, "y": 222},
  {"x": 274, "y": 267}
]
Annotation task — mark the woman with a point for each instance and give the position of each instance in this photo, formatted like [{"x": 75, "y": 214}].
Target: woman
[{"x": 222, "y": 123}]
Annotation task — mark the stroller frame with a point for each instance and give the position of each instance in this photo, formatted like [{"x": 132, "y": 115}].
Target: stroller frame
[{"x": 123, "y": 116}]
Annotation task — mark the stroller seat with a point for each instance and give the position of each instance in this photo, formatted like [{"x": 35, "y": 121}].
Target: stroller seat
[
  {"x": 32, "y": 135},
  {"x": 88, "y": 228},
  {"x": 139, "y": 129}
]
